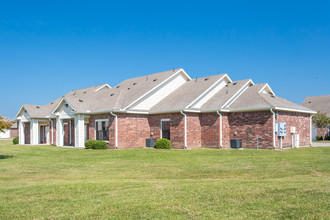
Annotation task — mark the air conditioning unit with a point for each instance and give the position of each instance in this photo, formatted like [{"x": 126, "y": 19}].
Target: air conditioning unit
[
  {"x": 150, "y": 142},
  {"x": 236, "y": 143}
]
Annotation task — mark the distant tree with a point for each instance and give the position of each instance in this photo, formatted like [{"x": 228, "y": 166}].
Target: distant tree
[
  {"x": 5, "y": 123},
  {"x": 321, "y": 121}
]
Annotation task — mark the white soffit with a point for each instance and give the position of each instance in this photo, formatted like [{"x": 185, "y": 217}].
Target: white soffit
[{"x": 266, "y": 90}]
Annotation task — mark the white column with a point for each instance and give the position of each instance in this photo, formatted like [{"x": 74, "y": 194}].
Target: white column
[
  {"x": 59, "y": 132},
  {"x": 34, "y": 131},
  {"x": 21, "y": 132},
  {"x": 79, "y": 130}
]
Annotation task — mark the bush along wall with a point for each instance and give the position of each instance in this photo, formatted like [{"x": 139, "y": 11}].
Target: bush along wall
[
  {"x": 96, "y": 145},
  {"x": 163, "y": 143},
  {"x": 15, "y": 140}
]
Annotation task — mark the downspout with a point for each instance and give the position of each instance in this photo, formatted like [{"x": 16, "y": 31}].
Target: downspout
[
  {"x": 271, "y": 110},
  {"x": 311, "y": 129},
  {"x": 185, "y": 129},
  {"x": 116, "y": 128},
  {"x": 220, "y": 118}
]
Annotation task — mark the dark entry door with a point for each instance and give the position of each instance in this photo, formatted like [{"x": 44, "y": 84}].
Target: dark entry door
[
  {"x": 66, "y": 134},
  {"x": 27, "y": 133},
  {"x": 43, "y": 134},
  {"x": 166, "y": 131}
]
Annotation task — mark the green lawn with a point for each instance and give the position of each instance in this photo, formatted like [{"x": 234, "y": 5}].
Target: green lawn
[{"x": 50, "y": 182}]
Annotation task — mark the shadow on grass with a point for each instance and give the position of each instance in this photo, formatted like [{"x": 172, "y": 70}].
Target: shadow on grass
[{"x": 5, "y": 156}]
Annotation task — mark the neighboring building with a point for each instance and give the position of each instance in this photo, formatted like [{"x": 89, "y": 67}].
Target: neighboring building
[
  {"x": 319, "y": 104},
  {"x": 9, "y": 133},
  {"x": 201, "y": 112}
]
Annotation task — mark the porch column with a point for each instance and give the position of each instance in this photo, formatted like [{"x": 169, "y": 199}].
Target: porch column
[
  {"x": 21, "y": 132},
  {"x": 59, "y": 132},
  {"x": 34, "y": 132},
  {"x": 79, "y": 130}
]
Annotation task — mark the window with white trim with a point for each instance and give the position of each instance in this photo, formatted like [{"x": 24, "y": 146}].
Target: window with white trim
[{"x": 102, "y": 130}]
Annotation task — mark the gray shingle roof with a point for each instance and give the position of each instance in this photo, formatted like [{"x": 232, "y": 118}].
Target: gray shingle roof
[
  {"x": 221, "y": 97},
  {"x": 252, "y": 99},
  {"x": 318, "y": 103},
  {"x": 185, "y": 94}
]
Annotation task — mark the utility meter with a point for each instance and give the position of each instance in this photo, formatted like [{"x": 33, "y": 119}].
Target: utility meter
[{"x": 281, "y": 126}]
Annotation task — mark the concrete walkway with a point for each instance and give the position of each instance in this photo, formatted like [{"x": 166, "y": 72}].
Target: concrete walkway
[{"x": 319, "y": 144}]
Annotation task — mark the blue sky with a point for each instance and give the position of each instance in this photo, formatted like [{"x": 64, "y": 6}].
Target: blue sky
[{"x": 48, "y": 48}]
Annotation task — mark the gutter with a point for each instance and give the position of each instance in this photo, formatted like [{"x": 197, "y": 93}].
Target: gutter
[
  {"x": 271, "y": 110},
  {"x": 116, "y": 132},
  {"x": 220, "y": 118},
  {"x": 185, "y": 129}
]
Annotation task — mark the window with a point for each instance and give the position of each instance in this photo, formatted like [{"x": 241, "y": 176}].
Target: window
[{"x": 102, "y": 130}]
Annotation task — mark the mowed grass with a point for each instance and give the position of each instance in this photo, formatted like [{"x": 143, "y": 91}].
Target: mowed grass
[{"x": 45, "y": 182}]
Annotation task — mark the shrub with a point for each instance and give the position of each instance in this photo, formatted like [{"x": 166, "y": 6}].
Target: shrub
[
  {"x": 319, "y": 137},
  {"x": 96, "y": 145},
  {"x": 328, "y": 138},
  {"x": 15, "y": 140},
  {"x": 163, "y": 143}
]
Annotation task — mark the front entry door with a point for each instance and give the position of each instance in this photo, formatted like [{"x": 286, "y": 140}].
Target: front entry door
[
  {"x": 66, "y": 134},
  {"x": 43, "y": 139}
]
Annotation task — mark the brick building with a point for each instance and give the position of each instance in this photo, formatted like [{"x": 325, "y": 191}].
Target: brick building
[{"x": 201, "y": 112}]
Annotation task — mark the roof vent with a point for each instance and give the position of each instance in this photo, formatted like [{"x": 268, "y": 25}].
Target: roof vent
[
  {"x": 112, "y": 94},
  {"x": 52, "y": 103},
  {"x": 134, "y": 84},
  {"x": 74, "y": 92},
  {"x": 227, "y": 85},
  {"x": 235, "y": 83},
  {"x": 206, "y": 79},
  {"x": 66, "y": 105},
  {"x": 85, "y": 92},
  {"x": 273, "y": 96},
  {"x": 128, "y": 88},
  {"x": 37, "y": 107},
  {"x": 117, "y": 87},
  {"x": 81, "y": 100},
  {"x": 155, "y": 80},
  {"x": 309, "y": 102},
  {"x": 25, "y": 111},
  {"x": 250, "y": 85}
]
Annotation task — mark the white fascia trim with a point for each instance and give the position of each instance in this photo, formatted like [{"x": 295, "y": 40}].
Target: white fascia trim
[
  {"x": 237, "y": 94},
  {"x": 153, "y": 89},
  {"x": 185, "y": 74},
  {"x": 19, "y": 111},
  {"x": 294, "y": 110},
  {"x": 105, "y": 85},
  {"x": 270, "y": 89},
  {"x": 60, "y": 102},
  {"x": 208, "y": 90},
  {"x": 107, "y": 111}
]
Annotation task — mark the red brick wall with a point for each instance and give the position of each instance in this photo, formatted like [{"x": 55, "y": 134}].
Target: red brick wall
[
  {"x": 13, "y": 132},
  {"x": 210, "y": 130},
  {"x": 302, "y": 123},
  {"x": 249, "y": 125},
  {"x": 225, "y": 130},
  {"x": 176, "y": 130},
  {"x": 133, "y": 129},
  {"x": 54, "y": 132},
  {"x": 194, "y": 130}
]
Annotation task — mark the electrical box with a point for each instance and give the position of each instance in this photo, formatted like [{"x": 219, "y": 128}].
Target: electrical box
[
  {"x": 292, "y": 130},
  {"x": 281, "y": 126}
]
